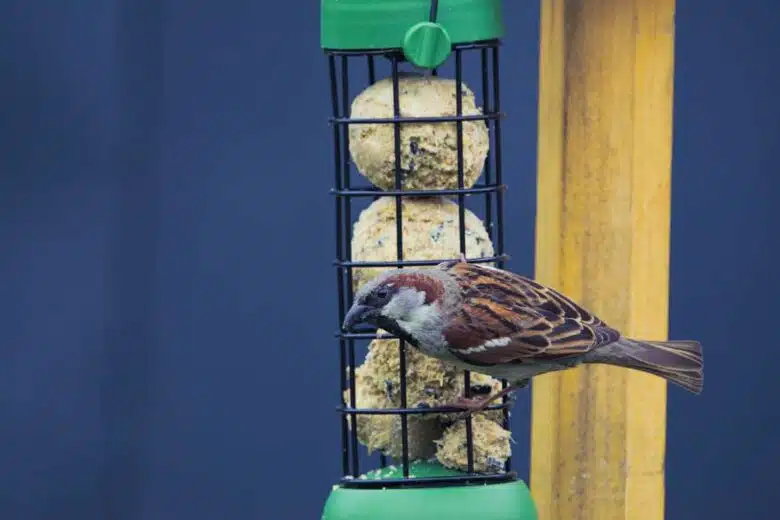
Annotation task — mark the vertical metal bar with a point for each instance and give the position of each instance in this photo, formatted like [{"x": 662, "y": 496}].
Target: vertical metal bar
[
  {"x": 345, "y": 462},
  {"x": 371, "y": 70},
  {"x": 459, "y": 147},
  {"x": 462, "y": 231},
  {"x": 371, "y": 80},
  {"x": 434, "y": 12},
  {"x": 347, "y": 244},
  {"x": 432, "y": 16},
  {"x": 497, "y": 155},
  {"x": 499, "y": 204},
  {"x": 486, "y": 108},
  {"x": 400, "y": 255}
]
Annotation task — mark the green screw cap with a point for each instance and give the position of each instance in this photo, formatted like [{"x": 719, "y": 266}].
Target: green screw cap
[
  {"x": 427, "y": 44},
  {"x": 501, "y": 501}
]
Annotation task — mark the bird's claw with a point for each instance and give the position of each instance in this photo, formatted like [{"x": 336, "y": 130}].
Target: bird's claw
[
  {"x": 477, "y": 404},
  {"x": 471, "y": 404}
]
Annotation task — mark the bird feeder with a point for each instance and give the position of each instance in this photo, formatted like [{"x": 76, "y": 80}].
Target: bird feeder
[{"x": 421, "y": 146}]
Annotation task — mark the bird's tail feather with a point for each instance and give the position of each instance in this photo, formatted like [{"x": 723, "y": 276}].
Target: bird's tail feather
[{"x": 679, "y": 362}]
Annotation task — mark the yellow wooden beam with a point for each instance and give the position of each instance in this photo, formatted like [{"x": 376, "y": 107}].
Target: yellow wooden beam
[{"x": 605, "y": 137}]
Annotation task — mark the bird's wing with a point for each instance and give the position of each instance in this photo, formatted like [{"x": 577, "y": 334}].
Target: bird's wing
[{"x": 507, "y": 318}]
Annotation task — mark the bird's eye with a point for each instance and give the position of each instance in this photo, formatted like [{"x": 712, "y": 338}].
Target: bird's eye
[{"x": 382, "y": 293}]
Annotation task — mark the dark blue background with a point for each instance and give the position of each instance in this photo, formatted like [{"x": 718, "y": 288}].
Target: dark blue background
[{"x": 154, "y": 276}]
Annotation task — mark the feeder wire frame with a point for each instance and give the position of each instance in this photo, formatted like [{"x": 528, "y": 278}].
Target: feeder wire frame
[{"x": 492, "y": 190}]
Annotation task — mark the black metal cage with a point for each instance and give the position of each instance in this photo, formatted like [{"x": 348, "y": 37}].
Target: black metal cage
[{"x": 341, "y": 70}]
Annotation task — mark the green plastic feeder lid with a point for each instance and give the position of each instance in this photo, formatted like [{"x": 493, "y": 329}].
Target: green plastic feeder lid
[
  {"x": 405, "y": 24},
  {"x": 501, "y": 501}
]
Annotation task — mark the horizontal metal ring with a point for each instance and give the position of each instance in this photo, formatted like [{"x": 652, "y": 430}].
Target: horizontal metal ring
[
  {"x": 456, "y": 480},
  {"x": 376, "y": 192}
]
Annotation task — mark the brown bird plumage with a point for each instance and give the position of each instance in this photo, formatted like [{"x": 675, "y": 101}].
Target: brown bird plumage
[{"x": 505, "y": 325}]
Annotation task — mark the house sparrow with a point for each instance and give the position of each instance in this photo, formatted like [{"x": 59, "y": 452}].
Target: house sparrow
[{"x": 498, "y": 323}]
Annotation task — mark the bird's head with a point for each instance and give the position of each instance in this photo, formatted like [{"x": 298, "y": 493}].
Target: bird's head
[{"x": 404, "y": 302}]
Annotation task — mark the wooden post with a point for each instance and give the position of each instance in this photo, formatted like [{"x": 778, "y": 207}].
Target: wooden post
[{"x": 605, "y": 136}]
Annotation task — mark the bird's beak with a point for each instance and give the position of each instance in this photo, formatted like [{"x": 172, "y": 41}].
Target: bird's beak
[{"x": 357, "y": 314}]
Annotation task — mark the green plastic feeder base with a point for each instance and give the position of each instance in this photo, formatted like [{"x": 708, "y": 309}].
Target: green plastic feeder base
[{"x": 503, "y": 501}]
